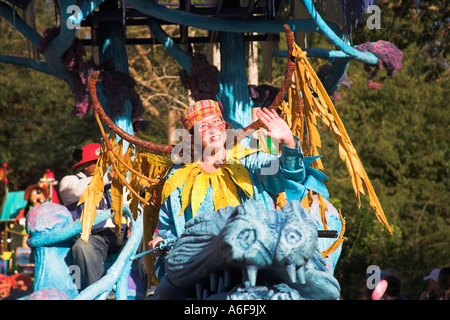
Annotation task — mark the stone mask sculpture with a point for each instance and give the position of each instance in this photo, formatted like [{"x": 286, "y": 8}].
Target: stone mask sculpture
[{"x": 248, "y": 252}]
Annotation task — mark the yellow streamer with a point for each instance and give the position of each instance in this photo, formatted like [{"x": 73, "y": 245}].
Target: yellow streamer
[{"x": 317, "y": 104}]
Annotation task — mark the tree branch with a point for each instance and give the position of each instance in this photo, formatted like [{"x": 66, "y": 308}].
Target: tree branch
[
  {"x": 7, "y": 12},
  {"x": 184, "y": 106},
  {"x": 219, "y": 24},
  {"x": 30, "y": 63},
  {"x": 67, "y": 31},
  {"x": 182, "y": 58}
]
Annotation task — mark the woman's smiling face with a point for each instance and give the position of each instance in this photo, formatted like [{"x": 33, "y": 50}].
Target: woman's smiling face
[{"x": 212, "y": 131}]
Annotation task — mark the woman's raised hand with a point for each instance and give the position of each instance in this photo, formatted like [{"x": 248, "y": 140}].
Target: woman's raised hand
[{"x": 277, "y": 128}]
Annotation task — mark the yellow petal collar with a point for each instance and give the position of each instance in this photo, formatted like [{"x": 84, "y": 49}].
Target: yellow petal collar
[{"x": 195, "y": 182}]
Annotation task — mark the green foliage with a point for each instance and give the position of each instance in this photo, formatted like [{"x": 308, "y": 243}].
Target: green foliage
[
  {"x": 37, "y": 130},
  {"x": 399, "y": 132},
  {"x": 426, "y": 26}
]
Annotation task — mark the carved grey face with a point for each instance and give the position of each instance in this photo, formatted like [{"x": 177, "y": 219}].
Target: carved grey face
[
  {"x": 279, "y": 243},
  {"x": 265, "y": 238},
  {"x": 246, "y": 238},
  {"x": 250, "y": 239},
  {"x": 291, "y": 236},
  {"x": 297, "y": 242}
]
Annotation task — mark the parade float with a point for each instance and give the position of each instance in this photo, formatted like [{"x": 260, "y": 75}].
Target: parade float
[{"x": 298, "y": 261}]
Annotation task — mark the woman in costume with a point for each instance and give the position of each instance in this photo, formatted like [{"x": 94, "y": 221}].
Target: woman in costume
[
  {"x": 223, "y": 177},
  {"x": 35, "y": 195}
]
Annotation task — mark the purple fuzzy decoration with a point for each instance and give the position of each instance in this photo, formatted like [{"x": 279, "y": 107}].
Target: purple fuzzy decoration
[
  {"x": 390, "y": 59},
  {"x": 263, "y": 95},
  {"x": 118, "y": 86},
  {"x": 324, "y": 70},
  {"x": 203, "y": 80},
  {"x": 389, "y": 55}
]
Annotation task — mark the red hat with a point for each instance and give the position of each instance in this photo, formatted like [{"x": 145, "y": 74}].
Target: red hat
[
  {"x": 28, "y": 190},
  {"x": 90, "y": 152}
]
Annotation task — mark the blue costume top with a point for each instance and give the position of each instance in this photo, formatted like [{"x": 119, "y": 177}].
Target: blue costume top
[{"x": 270, "y": 174}]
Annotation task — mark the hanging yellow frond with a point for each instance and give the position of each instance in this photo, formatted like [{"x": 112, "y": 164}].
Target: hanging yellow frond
[
  {"x": 317, "y": 104},
  {"x": 323, "y": 208},
  {"x": 286, "y": 112},
  {"x": 338, "y": 241},
  {"x": 135, "y": 183},
  {"x": 151, "y": 211},
  {"x": 131, "y": 174},
  {"x": 92, "y": 196},
  {"x": 157, "y": 160},
  {"x": 117, "y": 190}
]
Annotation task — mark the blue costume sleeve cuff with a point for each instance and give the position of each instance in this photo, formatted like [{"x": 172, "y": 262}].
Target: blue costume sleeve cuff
[
  {"x": 292, "y": 161},
  {"x": 292, "y": 152}
]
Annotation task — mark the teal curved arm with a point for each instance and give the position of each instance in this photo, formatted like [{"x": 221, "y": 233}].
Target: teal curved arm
[
  {"x": 366, "y": 57},
  {"x": 30, "y": 63},
  {"x": 172, "y": 48},
  {"x": 331, "y": 82},
  {"x": 119, "y": 270},
  {"x": 327, "y": 54},
  {"x": 218, "y": 24},
  {"x": 53, "y": 237}
]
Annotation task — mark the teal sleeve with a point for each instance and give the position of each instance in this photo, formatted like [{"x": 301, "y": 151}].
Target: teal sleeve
[{"x": 274, "y": 171}]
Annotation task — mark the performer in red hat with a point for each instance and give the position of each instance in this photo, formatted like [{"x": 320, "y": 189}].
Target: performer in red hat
[
  {"x": 89, "y": 155},
  {"x": 103, "y": 241}
]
